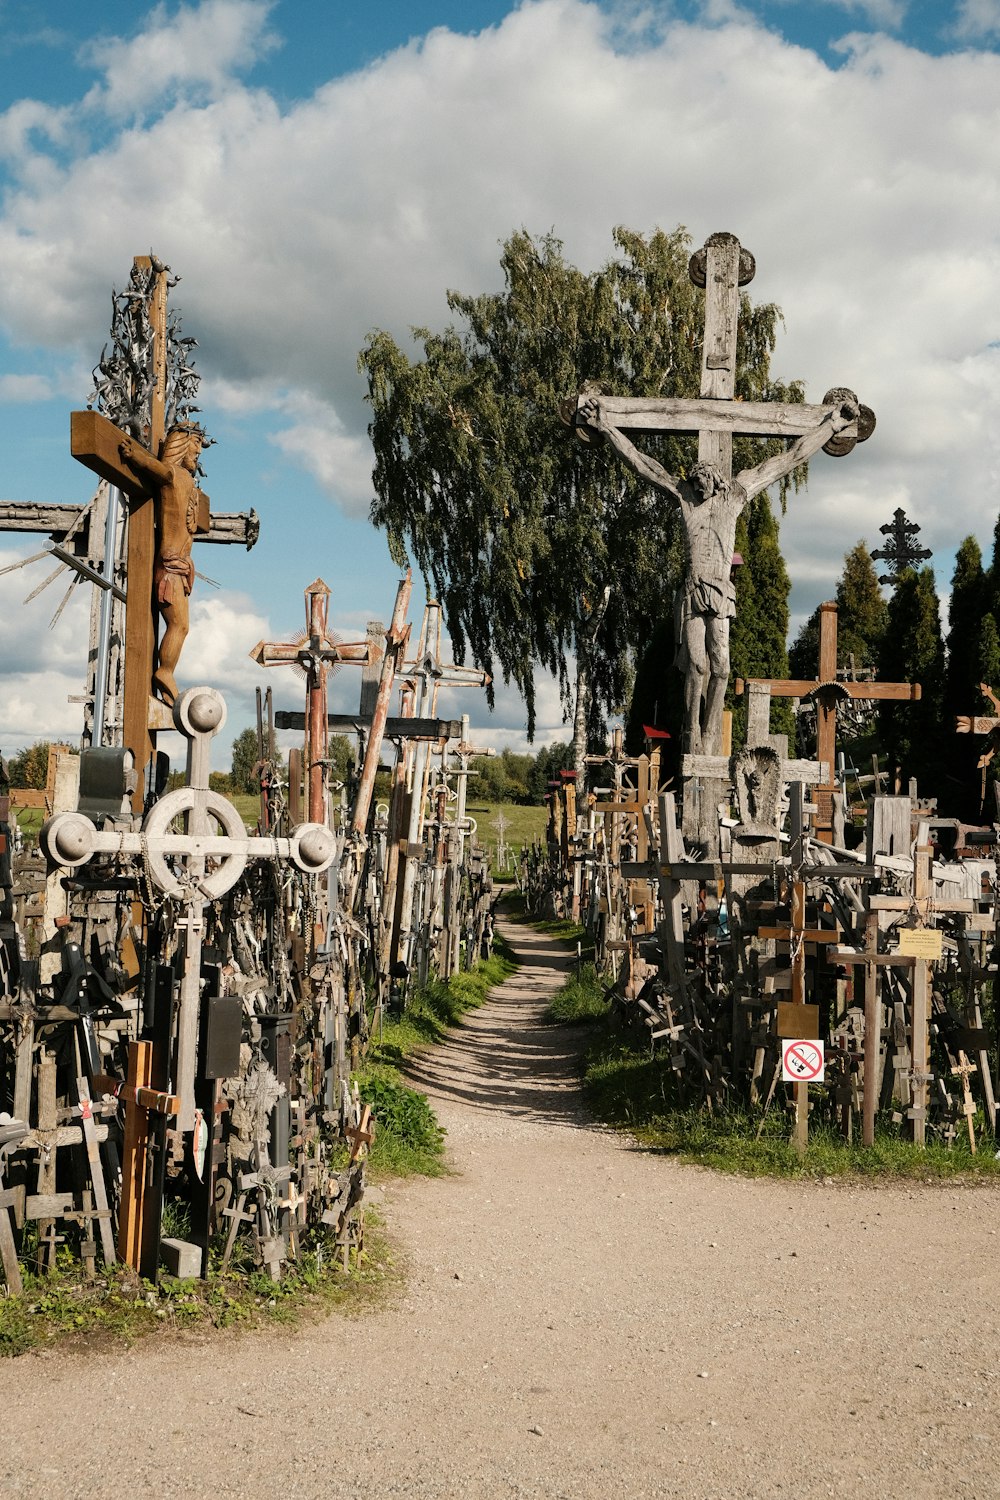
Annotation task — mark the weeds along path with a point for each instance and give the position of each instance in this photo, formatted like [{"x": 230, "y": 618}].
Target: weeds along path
[{"x": 580, "y": 1319}]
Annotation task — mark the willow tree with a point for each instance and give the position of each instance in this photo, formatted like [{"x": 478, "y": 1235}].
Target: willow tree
[{"x": 544, "y": 553}]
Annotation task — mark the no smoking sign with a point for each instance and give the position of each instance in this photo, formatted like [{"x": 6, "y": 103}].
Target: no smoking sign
[{"x": 801, "y": 1061}]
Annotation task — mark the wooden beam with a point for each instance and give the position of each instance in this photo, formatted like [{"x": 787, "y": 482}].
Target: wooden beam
[{"x": 672, "y": 414}]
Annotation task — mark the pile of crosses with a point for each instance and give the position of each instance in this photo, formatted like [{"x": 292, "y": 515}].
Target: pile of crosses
[
  {"x": 876, "y": 938},
  {"x": 749, "y": 935},
  {"x": 182, "y": 1002}
]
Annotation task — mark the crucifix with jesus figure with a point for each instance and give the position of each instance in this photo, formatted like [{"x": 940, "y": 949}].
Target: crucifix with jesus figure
[{"x": 710, "y": 497}]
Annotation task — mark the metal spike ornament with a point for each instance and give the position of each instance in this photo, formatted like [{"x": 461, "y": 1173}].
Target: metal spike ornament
[
  {"x": 124, "y": 377},
  {"x": 901, "y": 551}
]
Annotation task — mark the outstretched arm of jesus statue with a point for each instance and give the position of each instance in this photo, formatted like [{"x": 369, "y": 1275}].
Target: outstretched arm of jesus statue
[
  {"x": 143, "y": 462},
  {"x": 765, "y": 474},
  {"x": 640, "y": 463}
]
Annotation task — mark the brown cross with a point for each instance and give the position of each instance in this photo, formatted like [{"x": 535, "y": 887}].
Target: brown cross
[
  {"x": 316, "y": 653},
  {"x": 826, "y": 692}
]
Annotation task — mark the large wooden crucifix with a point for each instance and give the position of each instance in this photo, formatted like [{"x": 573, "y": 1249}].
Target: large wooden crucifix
[
  {"x": 316, "y": 653},
  {"x": 167, "y": 511},
  {"x": 826, "y": 692},
  {"x": 710, "y": 498}
]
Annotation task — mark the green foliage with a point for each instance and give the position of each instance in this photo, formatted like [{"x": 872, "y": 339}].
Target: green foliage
[
  {"x": 581, "y": 1001},
  {"x": 518, "y": 527},
  {"x": 402, "y": 1112},
  {"x": 245, "y": 756},
  {"x": 972, "y": 635},
  {"x": 633, "y": 1090},
  {"x": 29, "y": 768},
  {"x": 502, "y": 778},
  {"x": 244, "y": 759},
  {"x": 342, "y": 753},
  {"x": 912, "y": 651},
  {"x": 117, "y": 1308},
  {"x": 862, "y": 617},
  {"x": 758, "y": 633}
]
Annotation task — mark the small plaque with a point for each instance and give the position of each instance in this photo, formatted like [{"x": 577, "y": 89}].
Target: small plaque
[
  {"x": 797, "y": 1020},
  {"x": 920, "y": 942}
]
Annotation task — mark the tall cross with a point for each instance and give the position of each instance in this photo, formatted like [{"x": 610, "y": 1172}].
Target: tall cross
[
  {"x": 316, "y": 653},
  {"x": 826, "y": 691},
  {"x": 167, "y": 509},
  {"x": 427, "y": 673},
  {"x": 710, "y": 498}
]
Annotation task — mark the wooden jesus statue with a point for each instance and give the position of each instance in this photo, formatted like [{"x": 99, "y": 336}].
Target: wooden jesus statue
[
  {"x": 178, "y": 503},
  {"x": 705, "y": 603}
]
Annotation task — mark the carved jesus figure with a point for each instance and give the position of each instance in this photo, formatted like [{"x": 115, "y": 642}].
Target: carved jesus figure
[
  {"x": 705, "y": 603},
  {"x": 177, "y": 505}
]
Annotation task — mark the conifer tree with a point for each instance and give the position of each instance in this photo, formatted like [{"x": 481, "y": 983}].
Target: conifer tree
[
  {"x": 861, "y": 611},
  {"x": 758, "y": 635},
  {"x": 912, "y": 651}
]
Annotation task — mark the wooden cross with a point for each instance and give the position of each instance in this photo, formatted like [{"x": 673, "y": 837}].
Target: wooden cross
[
  {"x": 709, "y": 499},
  {"x": 873, "y": 961},
  {"x": 427, "y": 674},
  {"x": 923, "y": 942},
  {"x": 362, "y": 1134},
  {"x": 317, "y": 653},
  {"x": 797, "y": 1018},
  {"x": 826, "y": 691}
]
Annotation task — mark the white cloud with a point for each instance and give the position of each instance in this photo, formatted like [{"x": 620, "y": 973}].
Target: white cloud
[
  {"x": 195, "y": 48},
  {"x": 17, "y": 389},
  {"x": 977, "y": 20},
  {"x": 867, "y": 192}
]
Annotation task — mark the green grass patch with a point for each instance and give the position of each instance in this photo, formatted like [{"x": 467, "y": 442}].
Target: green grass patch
[
  {"x": 523, "y": 826},
  {"x": 408, "y": 1139},
  {"x": 580, "y": 1002},
  {"x": 632, "y": 1090},
  {"x": 117, "y": 1308}
]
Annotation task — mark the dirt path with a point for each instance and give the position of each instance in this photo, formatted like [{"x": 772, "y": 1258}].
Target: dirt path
[{"x": 582, "y": 1319}]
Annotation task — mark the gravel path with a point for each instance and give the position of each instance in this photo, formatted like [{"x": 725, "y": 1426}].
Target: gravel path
[{"x": 581, "y": 1319}]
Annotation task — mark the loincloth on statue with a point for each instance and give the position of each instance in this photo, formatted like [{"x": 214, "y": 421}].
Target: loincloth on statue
[
  {"x": 173, "y": 578},
  {"x": 699, "y": 597}
]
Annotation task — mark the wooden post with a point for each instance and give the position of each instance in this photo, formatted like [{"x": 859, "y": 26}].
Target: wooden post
[
  {"x": 140, "y": 609},
  {"x": 131, "y": 1210}
]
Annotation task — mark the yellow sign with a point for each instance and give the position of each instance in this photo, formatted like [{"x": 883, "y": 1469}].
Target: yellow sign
[{"x": 920, "y": 942}]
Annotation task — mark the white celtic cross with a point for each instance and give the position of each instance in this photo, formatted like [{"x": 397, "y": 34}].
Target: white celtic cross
[{"x": 178, "y": 862}]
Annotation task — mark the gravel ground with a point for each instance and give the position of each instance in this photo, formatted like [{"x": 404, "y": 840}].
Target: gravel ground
[{"x": 581, "y": 1319}]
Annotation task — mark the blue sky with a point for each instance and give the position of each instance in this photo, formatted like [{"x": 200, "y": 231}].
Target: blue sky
[{"x": 313, "y": 171}]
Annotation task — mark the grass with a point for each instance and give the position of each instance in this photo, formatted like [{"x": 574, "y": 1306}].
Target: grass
[
  {"x": 408, "y": 1139},
  {"x": 524, "y": 825},
  {"x": 117, "y": 1308},
  {"x": 580, "y": 1002},
  {"x": 632, "y": 1089}
]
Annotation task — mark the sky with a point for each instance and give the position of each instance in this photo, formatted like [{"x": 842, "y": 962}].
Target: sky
[{"x": 315, "y": 171}]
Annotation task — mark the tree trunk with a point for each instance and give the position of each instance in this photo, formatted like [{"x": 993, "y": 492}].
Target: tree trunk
[{"x": 585, "y": 643}]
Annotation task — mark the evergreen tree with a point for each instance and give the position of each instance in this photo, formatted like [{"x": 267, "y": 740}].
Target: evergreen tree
[
  {"x": 912, "y": 651},
  {"x": 862, "y": 613},
  {"x": 861, "y": 620},
  {"x": 968, "y": 612},
  {"x": 803, "y": 654},
  {"x": 758, "y": 634},
  {"x": 518, "y": 526}
]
